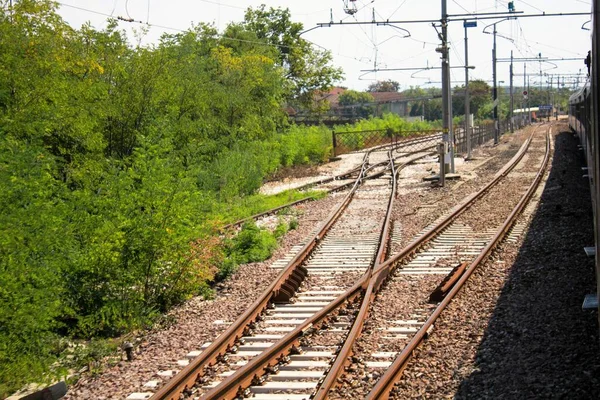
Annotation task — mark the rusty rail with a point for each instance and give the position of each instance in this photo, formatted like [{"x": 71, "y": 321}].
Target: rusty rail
[
  {"x": 383, "y": 269},
  {"x": 283, "y": 288},
  {"x": 242, "y": 378},
  {"x": 386, "y": 383},
  {"x": 345, "y": 352}
]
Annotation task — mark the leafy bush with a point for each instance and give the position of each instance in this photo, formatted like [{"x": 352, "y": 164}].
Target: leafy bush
[
  {"x": 388, "y": 123},
  {"x": 35, "y": 244},
  {"x": 252, "y": 244},
  {"x": 281, "y": 229},
  {"x": 116, "y": 162},
  {"x": 304, "y": 145}
]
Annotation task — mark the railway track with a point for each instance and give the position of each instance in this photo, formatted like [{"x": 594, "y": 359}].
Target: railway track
[
  {"x": 298, "y": 342},
  {"x": 345, "y": 253},
  {"x": 428, "y": 280},
  {"x": 286, "y": 301},
  {"x": 377, "y": 158}
]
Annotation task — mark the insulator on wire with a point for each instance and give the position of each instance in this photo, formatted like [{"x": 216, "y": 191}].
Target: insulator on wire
[{"x": 350, "y": 7}]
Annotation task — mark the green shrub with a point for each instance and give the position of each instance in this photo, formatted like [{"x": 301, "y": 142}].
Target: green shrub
[
  {"x": 304, "y": 145},
  {"x": 280, "y": 230},
  {"x": 252, "y": 244},
  {"x": 36, "y": 243},
  {"x": 388, "y": 124},
  {"x": 226, "y": 269}
]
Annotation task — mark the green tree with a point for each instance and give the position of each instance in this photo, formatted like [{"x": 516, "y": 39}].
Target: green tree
[
  {"x": 306, "y": 69},
  {"x": 425, "y": 102},
  {"x": 384, "y": 86},
  {"x": 35, "y": 245},
  {"x": 479, "y": 95},
  {"x": 357, "y": 104}
]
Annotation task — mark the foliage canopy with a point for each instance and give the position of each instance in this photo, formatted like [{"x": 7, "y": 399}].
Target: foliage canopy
[{"x": 118, "y": 162}]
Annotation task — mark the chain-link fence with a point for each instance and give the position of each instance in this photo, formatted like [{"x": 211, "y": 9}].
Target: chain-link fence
[
  {"x": 346, "y": 142},
  {"x": 483, "y": 133}
]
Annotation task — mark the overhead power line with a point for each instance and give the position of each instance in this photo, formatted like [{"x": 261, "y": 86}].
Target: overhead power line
[
  {"x": 453, "y": 19},
  {"x": 131, "y": 20}
]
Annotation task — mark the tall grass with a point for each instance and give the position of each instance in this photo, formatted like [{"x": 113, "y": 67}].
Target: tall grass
[{"x": 388, "y": 123}]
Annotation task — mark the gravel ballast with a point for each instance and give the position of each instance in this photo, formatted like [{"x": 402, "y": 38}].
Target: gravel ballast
[
  {"x": 197, "y": 321},
  {"x": 517, "y": 329}
]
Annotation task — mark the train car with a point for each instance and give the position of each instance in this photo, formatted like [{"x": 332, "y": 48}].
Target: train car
[
  {"x": 580, "y": 121},
  {"x": 594, "y": 132},
  {"x": 584, "y": 119}
]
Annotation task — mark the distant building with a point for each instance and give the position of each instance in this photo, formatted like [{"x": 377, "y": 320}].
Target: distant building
[
  {"x": 384, "y": 102},
  {"x": 390, "y": 102}
]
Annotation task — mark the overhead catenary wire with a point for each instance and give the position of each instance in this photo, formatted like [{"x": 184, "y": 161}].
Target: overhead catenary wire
[
  {"x": 458, "y": 4},
  {"x": 398, "y": 8},
  {"x": 218, "y": 3},
  {"x": 221, "y": 37},
  {"x": 382, "y": 52}
]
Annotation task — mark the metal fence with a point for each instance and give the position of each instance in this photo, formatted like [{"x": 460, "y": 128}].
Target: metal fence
[
  {"x": 483, "y": 133},
  {"x": 346, "y": 142}
]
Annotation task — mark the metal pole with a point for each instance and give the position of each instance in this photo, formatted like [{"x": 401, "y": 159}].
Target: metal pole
[
  {"x": 334, "y": 141},
  {"x": 549, "y": 99},
  {"x": 467, "y": 99},
  {"x": 495, "y": 90},
  {"x": 512, "y": 96},
  {"x": 446, "y": 95},
  {"x": 442, "y": 153},
  {"x": 524, "y": 89},
  {"x": 528, "y": 101},
  {"x": 450, "y": 122}
]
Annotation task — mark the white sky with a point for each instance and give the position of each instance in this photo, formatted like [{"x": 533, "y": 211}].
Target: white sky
[{"x": 356, "y": 48}]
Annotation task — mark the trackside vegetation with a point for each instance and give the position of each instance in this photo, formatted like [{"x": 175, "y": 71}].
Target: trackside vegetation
[{"x": 119, "y": 163}]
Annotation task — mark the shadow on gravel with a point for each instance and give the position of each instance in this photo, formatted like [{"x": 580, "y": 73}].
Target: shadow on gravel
[{"x": 539, "y": 343}]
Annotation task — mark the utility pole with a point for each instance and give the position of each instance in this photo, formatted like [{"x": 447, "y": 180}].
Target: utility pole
[
  {"x": 512, "y": 96},
  {"x": 528, "y": 101},
  {"x": 524, "y": 88},
  {"x": 446, "y": 93},
  {"x": 495, "y": 90},
  {"x": 467, "y": 99}
]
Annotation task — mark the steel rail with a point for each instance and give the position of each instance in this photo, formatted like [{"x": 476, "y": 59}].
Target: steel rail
[
  {"x": 455, "y": 212},
  {"x": 231, "y": 386},
  {"x": 341, "y": 359},
  {"x": 383, "y": 269},
  {"x": 345, "y": 175},
  {"x": 386, "y": 383},
  {"x": 284, "y": 286},
  {"x": 234, "y": 385}
]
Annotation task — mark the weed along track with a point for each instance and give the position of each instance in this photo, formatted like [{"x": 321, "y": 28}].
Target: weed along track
[
  {"x": 342, "y": 310},
  {"x": 285, "y": 312},
  {"x": 403, "y": 151}
]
